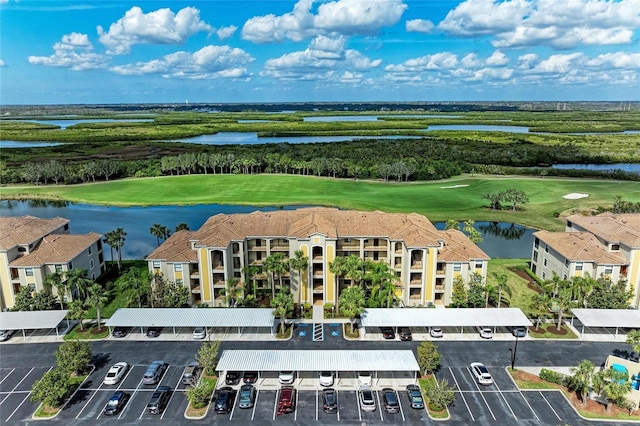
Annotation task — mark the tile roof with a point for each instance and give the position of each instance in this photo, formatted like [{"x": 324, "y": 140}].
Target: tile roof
[
  {"x": 580, "y": 246},
  {"x": 57, "y": 248},
  {"x": 26, "y": 229},
  {"x": 458, "y": 247},
  {"x": 614, "y": 228},
  {"x": 177, "y": 248}
]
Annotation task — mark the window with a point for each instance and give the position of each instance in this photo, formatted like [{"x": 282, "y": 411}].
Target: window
[
  {"x": 608, "y": 269},
  {"x": 546, "y": 248},
  {"x": 615, "y": 247},
  {"x": 564, "y": 276},
  {"x": 566, "y": 263},
  {"x": 457, "y": 267},
  {"x": 544, "y": 262},
  {"x": 177, "y": 267},
  {"x": 58, "y": 268},
  {"x": 89, "y": 250},
  {"x": 544, "y": 276},
  {"x": 569, "y": 224},
  {"x": 535, "y": 256},
  {"x": 536, "y": 243},
  {"x": 478, "y": 264},
  {"x": 29, "y": 272},
  {"x": 70, "y": 265},
  {"x": 31, "y": 286},
  {"x": 179, "y": 282},
  {"x": 578, "y": 266},
  {"x": 90, "y": 263},
  {"x": 155, "y": 264}
]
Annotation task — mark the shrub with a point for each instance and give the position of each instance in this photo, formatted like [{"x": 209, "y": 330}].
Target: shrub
[
  {"x": 553, "y": 377},
  {"x": 200, "y": 394}
]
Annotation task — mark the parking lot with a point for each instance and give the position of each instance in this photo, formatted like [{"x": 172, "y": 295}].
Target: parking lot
[
  {"x": 502, "y": 402},
  {"x": 15, "y": 390}
]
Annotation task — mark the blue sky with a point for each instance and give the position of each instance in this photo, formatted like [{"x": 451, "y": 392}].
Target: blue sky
[{"x": 95, "y": 51}]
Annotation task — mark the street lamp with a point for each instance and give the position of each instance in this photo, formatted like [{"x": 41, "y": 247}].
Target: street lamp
[{"x": 513, "y": 354}]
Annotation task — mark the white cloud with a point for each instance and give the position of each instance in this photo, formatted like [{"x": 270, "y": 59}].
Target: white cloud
[
  {"x": 2, "y": 63},
  {"x": 620, "y": 60},
  {"x": 557, "y": 64},
  {"x": 560, "y": 24},
  {"x": 226, "y": 32},
  {"x": 66, "y": 54},
  {"x": 339, "y": 17},
  {"x": 207, "y": 63},
  {"x": 419, "y": 26},
  {"x": 497, "y": 59},
  {"x": 158, "y": 27}
]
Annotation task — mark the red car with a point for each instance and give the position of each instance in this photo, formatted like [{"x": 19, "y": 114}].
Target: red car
[{"x": 287, "y": 401}]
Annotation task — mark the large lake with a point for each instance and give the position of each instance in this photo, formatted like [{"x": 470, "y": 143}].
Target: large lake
[
  {"x": 251, "y": 138},
  {"x": 501, "y": 240}
]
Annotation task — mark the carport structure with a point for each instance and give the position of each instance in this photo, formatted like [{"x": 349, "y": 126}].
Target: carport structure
[
  {"x": 607, "y": 318},
  {"x": 32, "y": 320},
  {"x": 449, "y": 317},
  {"x": 317, "y": 360},
  {"x": 189, "y": 317}
]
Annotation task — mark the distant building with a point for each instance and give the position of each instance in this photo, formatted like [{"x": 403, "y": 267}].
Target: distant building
[
  {"x": 605, "y": 244},
  {"x": 32, "y": 248},
  {"x": 425, "y": 259}
]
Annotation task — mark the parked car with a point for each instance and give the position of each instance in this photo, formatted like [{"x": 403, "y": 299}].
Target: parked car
[
  {"x": 232, "y": 377},
  {"x": 286, "y": 377},
  {"x": 225, "y": 397},
  {"x": 415, "y": 396},
  {"x": 116, "y": 373},
  {"x": 436, "y": 332},
  {"x": 330, "y": 400},
  {"x": 481, "y": 373},
  {"x": 390, "y": 401},
  {"x": 247, "y": 396},
  {"x": 190, "y": 374},
  {"x": 405, "y": 335},
  {"x": 6, "y": 334},
  {"x": 366, "y": 400},
  {"x": 485, "y": 332},
  {"x": 326, "y": 378},
  {"x": 364, "y": 378},
  {"x": 120, "y": 332},
  {"x": 287, "y": 401},
  {"x": 388, "y": 333},
  {"x": 154, "y": 372},
  {"x": 199, "y": 333},
  {"x": 250, "y": 377},
  {"x": 154, "y": 331},
  {"x": 116, "y": 403},
  {"x": 159, "y": 400},
  {"x": 519, "y": 331}
]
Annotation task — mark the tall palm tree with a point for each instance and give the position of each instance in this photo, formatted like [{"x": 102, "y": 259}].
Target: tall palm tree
[
  {"x": 582, "y": 375},
  {"x": 119, "y": 242},
  {"x": 283, "y": 303},
  {"x": 97, "y": 296},
  {"x": 55, "y": 279},
  {"x": 232, "y": 291},
  {"x": 276, "y": 265},
  {"x": 503, "y": 285},
  {"x": 77, "y": 281},
  {"x": 299, "y": 263},
  {"x": 538, "y": 305},
  {"x": 109, "y": 239},
  {"x": 136, "y": 283},
  {"x": 158, "y": 231},
  {"x": 251, "y": 272}
]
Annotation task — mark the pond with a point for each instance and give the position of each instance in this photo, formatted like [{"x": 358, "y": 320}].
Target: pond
[
  {"x": 338, "y": 118},
  {"x": 478, "y": 128},
  {"x": 19, "y": 144},
  {"x": 627, "y": 167},
  {"x": 251, "y": 138},
  {"x": 63, "y": 124},
  {"x": 501, "y": 240}
]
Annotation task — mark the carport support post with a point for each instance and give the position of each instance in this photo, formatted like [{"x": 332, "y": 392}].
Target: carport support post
[{"x": 616, "y": 331}]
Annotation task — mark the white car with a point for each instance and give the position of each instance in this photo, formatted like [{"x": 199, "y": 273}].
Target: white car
[
  {"x": 367, "y": 400},
  {"x": 199, "y": 333},
  {"x": 286, "y": 377},
  {"x": 116, "y": 373},
  {"x": 436, "y": 332},
  {"x": 485, "y": 332},
  {"x": 326, "y": 378},
  {"x": 364, "y": 378},
  {"x": 481, "y": 373},
  {"x": 6, "y": 334}
]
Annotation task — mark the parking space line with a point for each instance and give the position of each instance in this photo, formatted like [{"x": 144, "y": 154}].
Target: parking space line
[
  {"x": 483, "y": 398},
  {"x": 400, "y": 405},
  {"x": 358, "y": 405},
  {"x": 295, "y": 412},
  {"x": 5, "y": 377},
  {"x": 317, "y": 407},
  {"x": 505, "y": 401},
  {"x": 20, "y": 405},
  {"x": 87, "y": 403},
  {"x": 461, "y": 394},
  {"x": 20, "y": 382},
  {"x": 530, "y": 407},
  {"x": 255, "y": 404},
  {"x": 173, "y": 393},
  {"x": 275, "y": 405},
  {"x": 379, "y": 405},
  {"x": 130, "y": 399},
  {"x": 550, "y": 406}
]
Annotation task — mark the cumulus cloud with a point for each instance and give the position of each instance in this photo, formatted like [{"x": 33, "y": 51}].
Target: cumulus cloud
[
  {"x": 73, "y": 51},
  {"x": 226, "y": 32},
  {"x": 340, "y": 17},
  {"x": 620, "y": 60},
  {"x": 207, "y": 63},
  {"x": 560, "y": 24},
  {"x": 2, "y": 63},
  {"x": 423, "y": 26},
  {"x": 158, "y": 27}
]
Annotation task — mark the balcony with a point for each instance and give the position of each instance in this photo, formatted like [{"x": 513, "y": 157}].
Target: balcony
[
  {"x": 252, "y": 246},
  {"x": 416, "y": 265},
  {"x": 219, "y": 283},
  {"x": 217, "y": 266},
  {"x": 440, "y": 287},
  {"x": 196, "y": 289},
  {"x": 280, "y": 247},
  {"x": 318, "y": 288}
]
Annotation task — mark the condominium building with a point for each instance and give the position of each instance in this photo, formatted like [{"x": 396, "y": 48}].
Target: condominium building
[
  {"x": 605, "y": 244},
  {"x": 424, "y": 259},
  {"x": 32, "y": 248}
]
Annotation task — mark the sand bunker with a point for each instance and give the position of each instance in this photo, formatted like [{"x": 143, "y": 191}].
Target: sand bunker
[
  {"x": 575, "y": 196},
  {"x": 454, "y": 186}
]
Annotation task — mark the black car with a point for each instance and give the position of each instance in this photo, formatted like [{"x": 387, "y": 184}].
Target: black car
[
  {"x": 415, "y": 396},
  {"x": 159, "y": 400},
  {"x": 405, "y": 334},
  {"x": 247, "y": 396},
  {"x": 388, "y": 333},
  {"x": 250, "y": 377},
  {"x": 232, "y": 377},
  {"x": 153, "y": 331},
  {"x": 116, "y": 403},
  {"x": 224, "y": 400},
  {"x": 330, "y": 400},
  {"x": 120, "y": 332},
  {"x": 390, "y": 400}
]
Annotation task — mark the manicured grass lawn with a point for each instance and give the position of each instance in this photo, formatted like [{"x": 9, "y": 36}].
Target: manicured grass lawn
[
  {"x": 88, "y": 333},
  {"x": 543, "y": 332},
  {"x": 520, "y": 292},
  {"x": 428, "y": 198}
]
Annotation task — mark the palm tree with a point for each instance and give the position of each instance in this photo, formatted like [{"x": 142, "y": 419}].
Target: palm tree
[
  {"x": 299, "y": 263},
  {"x": 611, "y": 384},
  {"x": 182, "y": 226},
  {"x": 136, "y": 283},
  {"x": 538, "y": 305},
  {"x": 283, "y": 303},
  {"x": 97, "y": 296},
  {"x": 503, "y": 284},
  {"x": 108, "y": 239},
  {"x": 78, "y": 282},
  {"x": 276, "y": 265},
  {"x": 251, "y": 272},
  {"x": 77, "y": 311},
  {"x": 119, "y": 242},
  {"x": 232, "y": 291},
  {"x": 157, "y": 230},
  {"x": 55, "y": 279},
  {"x": 352, "y": 303},
  {"x": 582, "y": 375}
]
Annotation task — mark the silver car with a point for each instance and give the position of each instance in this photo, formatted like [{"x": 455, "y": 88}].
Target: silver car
[{"x": 367, "y": 400}]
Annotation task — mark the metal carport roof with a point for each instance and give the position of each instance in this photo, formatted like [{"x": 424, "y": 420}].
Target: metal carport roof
[
  {"x": 329, "y": 360},
  {"x": 31, "y": 320},
  {"x": 189, "y": 317},
  {"x": 449, "y": 317},
  {"x": 629, "y": 318}
]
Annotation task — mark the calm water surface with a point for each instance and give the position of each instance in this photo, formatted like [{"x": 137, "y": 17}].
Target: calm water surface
[
  {"x": 501, "y": 240},
  {"x": 68, "y": 123},
  {"x": 251, "y": 138}
]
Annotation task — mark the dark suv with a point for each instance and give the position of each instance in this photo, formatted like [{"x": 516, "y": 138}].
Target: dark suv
[
  {"x": 390, "y": 400},
  {"x": 232, "y": 377},
  {"x": 159, "y": 400},
  {"x": 405, "y": 334},
  {"x": 154, "y": 372},
  {"x": 117, "y": 401},
  {"x": 330, "y": 400},
  {"x": 224, "y": 401},
  {"x": 190, "y": 375}
]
